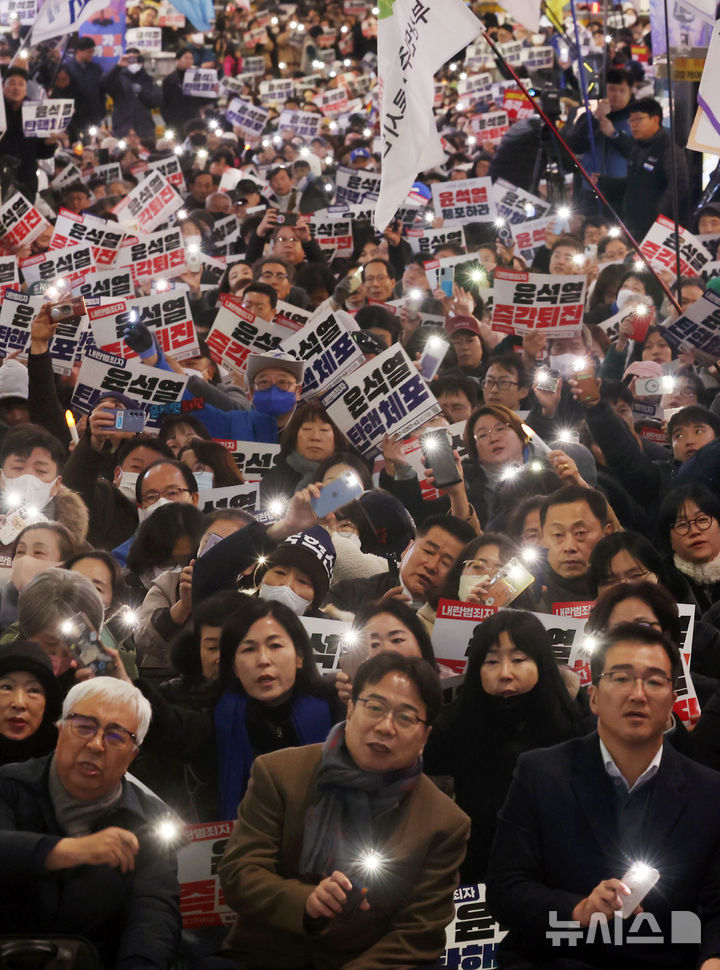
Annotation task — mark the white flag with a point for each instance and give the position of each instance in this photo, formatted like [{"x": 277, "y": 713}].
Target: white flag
[
  {"x": 59, "y": 17},
  {"x": 415, "y": 38},
  {"x": 705, "y": 132}
]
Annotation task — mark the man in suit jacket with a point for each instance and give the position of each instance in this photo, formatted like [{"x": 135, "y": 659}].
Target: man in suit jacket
[
  {"x": 578, "y": 815},
  {"x": 315, "y": 819}
]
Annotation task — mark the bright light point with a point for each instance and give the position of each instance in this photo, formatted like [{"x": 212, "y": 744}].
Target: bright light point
[
  {"x": 170, "y": 134},
  {"x": 564, "y": 53},
  {"x": 453, "y": 66},
  {"x": 509, "y": 473},
  {"x": 614, "y": 232},
  {"x": 51, "y": 292},
  {"x": 499, "y": 222},
  {"x": 590, "y": 644},
  {"x": 304, "y": 152},
  {"x": 461, "y": 105},
  {"x": 344, "y": 29},
  {"x": 194, "y": 250},
  {"x": 261, "y": 560},
  {"x": 130, "y": 616},
  {"x": 202, "y": 153},
  {"x": 416, "y": 294},
  {"x": 477, "y": 275},
  {"x": 67, "y": 628},
  {"x": 429, "y": 217},
  {"x": 13, "y": 499},
  {"x": 375, "y": 11},
  {"x": 274, "y": 21},
  {"x": 276, "y": 507},
  {"x": 23, "y": 54},
  {"x": 333, "y": 73},
  {"x": 329, "y": 159},
  {"x": 638, "y": 265},
  {"x": 579, "y": 363},
  {"x": 293, "y": 25},
  {"x": 178, "y": 150},
  {"x": 529, "y": 554},
  {"x": 162, "y": 286},
  {"x": 32, "y": 511},
  {"x": 213, "y": 124},
  {"x": 133, "y": 316},
  {"x": 182, "y": 214},
  {"x": 536, "y": 466},
  {"x": 167, "y": 830},
  {"x": 317, "y": 65},
  {"x": 333, "y": 126},
  {"x": 347, "y": 62},
  {"x": 366, "y": 132},
  {"x": 301, "y": 28},
  {"x": 92, "y": 131},
  {"x": 435, "y": 342},
  {"x": 371, "y": 861},
  {"x": 277, "y": 139},
  {"x": 472, "y": 140},
  {"x": 608, "y": 38},
  {"x": 578, "y": 259},
  {"x": 529, "y": 210},
  {"x": 641, "y": 871},
  {"x": 282, "y": 65},
  {"x": 351, "y": 638},
  {"x": 564, "y": 212},
  {"x": 463, "y": 75},
  {"x": 565, "y": 436},
  {"x": 122, "y": 144},
  {"x": 329, "y": 186},
  {"x": 528, "y": 430},
  {"x": 667, "y": 384},
  {"x": 265, "y": 143}
]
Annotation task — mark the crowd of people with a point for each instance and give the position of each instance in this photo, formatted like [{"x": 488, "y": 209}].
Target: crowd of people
[{"x": 193, "y": 494}]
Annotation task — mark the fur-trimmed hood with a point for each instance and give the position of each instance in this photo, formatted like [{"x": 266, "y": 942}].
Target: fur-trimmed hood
[{"x": 68, "y": 508}]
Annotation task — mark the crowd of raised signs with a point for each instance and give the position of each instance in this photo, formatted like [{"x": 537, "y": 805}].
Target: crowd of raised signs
[{"x": 220, "y": 384}]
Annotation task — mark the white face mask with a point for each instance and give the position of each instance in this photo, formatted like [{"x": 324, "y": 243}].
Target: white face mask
[
  {"x": 286, "y": 595},
  {"x": 204, "y": 480},
  {"x": 467, "y": 584},
  {"x": 134, "y": 68},
  {"x": 146, "y": 513},
  {"x": 31, "y": 491},
  {"x": 25, "y": 568},
  {"x": 564, "y": 364},
  {"x": 351, "y": 537},
  {"x": 126, "y": 485}
]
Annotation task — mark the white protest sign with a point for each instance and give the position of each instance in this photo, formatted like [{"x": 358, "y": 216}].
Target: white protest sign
[
  {"x": 464, "y": 201},
  {"x": 253, "y": 458},
  {"x": 472, "y": 938},
  {"x": 168, "y": 316},
  {"x": 277, "y": 91},
  {"x": 69, "y": 264},
  {"x": 306, "y": 124},
  {"x": 248, "y": 117},
  {"x": 254, "y": 65},
  {"x": 103, "y": 237},
  {"x": 146, "y": 39},
  {"x": 9, "y": 275},
  {"x": 109, "y": 284},
  {"x": 427, "y": 241},
  {"x": 170, "y": 168},
  {"x": 333, "y": 235},
  {"x": 332, "y": 102},
  {"x": 537, "y": 58},
  {"x": 530, "y": 236},
  {"x": 43, "y": 118},
  {"x": 201, "y": 899},
  {"x": 200, "y": 82},
  {"x": 17, "y": 311},
  {"x": 385, "y": 396},
  {"x": 224, "y": 233},
  {"x": 327, "y": 639},
  {"x": 490, "y": 126},
  {"x": 236, "y": 333},
  {"x": 108, "y": 173},
  {"x": 353, "y": 186},
  {"x": 328, "y": 350},
  {"x": 476, "y": 87},
  {"x": 517, "y": 205},
  {"x": 292, "y": 317},
  {"x": 154, "y": 255},
  {"x": 67, "y": 175},
  {"x": 149, "y": 386},
  {"x": 698, "y": 329},
  {"x": 150, "y": 204},
  {"x": 20, "y": 222},
  {"x": 536, "y": 301},
  {"x": 243, "y": 497},
  {"x": 658, "y": 247}
]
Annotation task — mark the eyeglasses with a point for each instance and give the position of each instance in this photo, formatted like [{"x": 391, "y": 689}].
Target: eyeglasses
[
  {"x": 113, "y": 735},
  {"x": 172, "y": 494},
  {"x": 504, "y": 384},
  {"x": 623, "y": 681},
  {"x": 284, "y": 384},
  {"x": 267, "y": 275},
  {"x": 478, "y": 567},
  {"x": 702, "y": 523},
  {"x": 483, "y": 436},
  {"x": 377, "y": 711},
  {"x": 633, "y": 576},
  {"x": 377, "y": 279},
  {"x": 290, "y": 239}
]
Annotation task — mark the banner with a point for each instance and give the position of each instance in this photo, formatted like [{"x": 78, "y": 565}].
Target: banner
[
  {"x": 332, "y": 101},
  {"x": 248, "y": 117},
  {"x": 43, "y": 118},
  {"x": 466, "y": 200},
  {"x": 170, "y": 168},
  {"x": 200, "y": 82},
  {"x": 415, "y": 39},
  {"x": 277, "y": 91},
  {"x": 100, "y": 372},
  {"x": 20, "y": 222},
  {"x": 428, "y": 241},
  {"x": 57, "y": 18},
  {"x": 150, "y": 204},
  {"x": 103, "y": 237},
  {"x": 530, "y": 236},
  {"x": 385, "y": 396},
  {"x": 167, "y": 315},
  {"x": 328, "y": 350},
  {"x": 536, "y": 301},
  {"x": 658, "y": 247}
]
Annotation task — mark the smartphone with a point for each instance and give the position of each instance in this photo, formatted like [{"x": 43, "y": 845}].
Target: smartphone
[
  {"x": 544, "y": 381},
  {"x": 84, "y": 646},
  {"x": 353, "y": 897},
  {"x": 352, "y": 657},
  {"x": 652, "y": 386},
  {"x": 193, "y": 261},
  {"x": 507, "y": 585},
  {"x": 639, "y": 879},
  {"x": 587, "y": 381},
  {"x": 129, "y": 421},
  {"x": 432, "y": 356},
  {"x": 438, "y": 454},
  {"x": 446, "y": 277},
  {"x": 336, "y": 494},
  {"x": 287, "y": 219},
  {"x": 71, "y": 309}
]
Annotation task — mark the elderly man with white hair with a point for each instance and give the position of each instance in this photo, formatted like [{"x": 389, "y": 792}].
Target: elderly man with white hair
[{"x": 80, "y": 844}]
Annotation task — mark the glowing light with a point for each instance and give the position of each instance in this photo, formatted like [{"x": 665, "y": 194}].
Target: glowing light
[
  {"x": 293, "y": 25},
  {"x": 162, "y": 285},
  {"x": 351, "y": 638},
  {"x": 509, "y": 473},
  {"x": 276, "y": 507},
  {"x": 13, "y": 499},
  {"x": 52, "y": 292},
  {"x": 329, "y": 186},
  {"x": 122, "y": 144},
  {"x": 375, "y": 11},
  {"x": 32, "y": 511},
  {"x": 641, "y": 871},
  {"x": 23, "y": 54},
  {"x": 590, "y": 644},
  {"x": 614, "y": 232},
  {"x": 329, "y": 159},
  {"x": 130, "y": 616},
  {"x": 92, "y": 131},
  {"x": 167, "y": 830},
  {"x": 282, "y": 65},
  {"x": 344, "y": 30},
  {"x": 416, "y": 294},
  {"x": 371, "y": 862},
  {"x": 194, "y": 250},
  {"x": 499, "y": 222},
  {"x": 529, "y": 554},
  {"x": 274, "y": 21},
  {"x": 608, "y": 38},
  {"x": 578, "y": 259},
  {"x": 333, "y": 126},
  {"x": 477, "y": 275},
  {"x": 182, "y": 214},
  {"x": 202, "y": 154},
  {"x": 213, "y": 125},
  {"x": 453, "y": 66},
  {"x": 265, "y": 143},
  {"x": 333, "y": 73},
  {"x": 318, "y": 65},
  {"x": 472, "y": 140},
  {"x": 564, "y": 212},
  {"x": 638, "y": 265},
  {"x": 536, "y": 466},
  {"x": 565, "y": 435},
  {"x": 301, "y": 28},
  {"x": 641, "y": 310},
  {"x": 170, "y": 134},
  {"x": 367, "y": 132},
  {"x": 347, "y": 62},
  {"x": 304, "y": 152},
  {"x": 461, "y": 105},
  {"x": 178, "y": 149},
  {"x": 262, "y": 560},
  {"x": 667, "y": 384},
  {"x": 580, "y": 363},
  {"x": 462, "y": 75},
  {"x": 277, "y": 139},
  {"x": 429, "y": 216},
  {"x": 529, "y": 210},
  {"x": 67, "y": 628}
]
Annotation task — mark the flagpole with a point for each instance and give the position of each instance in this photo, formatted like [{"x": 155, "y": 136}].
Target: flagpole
[
  {"x": 576, "y": 161},
  {"x": 583, "y": 89},
  {"x": 673, "y": 143}
]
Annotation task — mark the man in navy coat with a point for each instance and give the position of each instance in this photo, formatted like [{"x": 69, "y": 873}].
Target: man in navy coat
[{"x": 579, "y": 815}]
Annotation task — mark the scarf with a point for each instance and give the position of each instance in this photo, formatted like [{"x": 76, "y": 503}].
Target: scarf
[
  {"x": 304, "y": 467},
  {"x": 310, "y": 718},
  {"x": 40, "y": 743},
  {"x": 702, "y": 573},
  {"x": 76, "y": 817},
  {"x": 338, "y": 826}
]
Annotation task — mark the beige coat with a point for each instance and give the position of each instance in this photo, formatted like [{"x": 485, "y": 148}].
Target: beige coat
[{"x": 423, "y": 839}]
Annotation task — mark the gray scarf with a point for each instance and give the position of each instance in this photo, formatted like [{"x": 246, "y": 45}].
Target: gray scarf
[
  {"x": 304, "y": 467},
  {"x": 77, "y": 818}
]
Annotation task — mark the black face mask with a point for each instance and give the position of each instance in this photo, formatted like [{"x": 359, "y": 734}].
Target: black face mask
[{"x": 198, "y": 138}]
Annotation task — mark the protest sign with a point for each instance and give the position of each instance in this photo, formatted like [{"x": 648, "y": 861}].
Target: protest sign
[
  {"x": 478, "y": 56},
  {"x": 512, "y": 51},
  {"x": 109, "y": 284},
  {"x": 474, "y": 87},
  {"x": 69, "y": 174},
  {"x": 200, "y": 82},
  {"x": 248, "y": 117},
  {"x": 698, "y": 329},
  {"x": 224, "y": 233},
  {"x": 16, "y": 314},
  {"x": 201, "y": 899},
  {"x": 69, "y": 264},
  {"x": 529, "y": 236},
  {"x": 517, "y": 205},
  {"x": 154, "y": 255},
  {"x": 327, "y": 638},
  {"x": 43, "y": 118},
  {"x": 333, "y": 235},
  {"x": 292, "y": 317},
  {"x": 243, "y": 497},
  {"x": 253, "y": 458},
  {"x": 251, "y": 38},
  {"x": 146, "y": 39},
  {"x": 254, "y": 65},
  {"x": 103, "y": 237},
  {"x": 9, "y": 276},
  {"x": 150, "y": 204},
  {"x": 490, "y": 126},
  {"x": 465, "y": 200},
  {"x": 238, "y": 85},
  {"x": 641, "y": 315},
  {"x": 354, "y": 186},
  {"x": 517, "y": 105},
  {"x": 170, "y": 168},
  {"x": 108, "y": 173},
  {"x": 276, "y": 92},
  {"x": 306, "y": 124},
  {"x": 101, "y": 372},
  {"x": 332, "y": 101},
  {"x": 237, "y": 332},
  {"x": 536, "y": 301},
  {"x": 472, "y": 938},
  {"x": 426, "y": 241},
  {"x": 328, "y": 350},
  {"x": 23, "y": 10},
  {"x": 355, "y": 213},
  {"x": 167, "y": 315},
  {"x": 658, "y": 247},
  {"x": 385, "y": 396},
  {"x": 20, "y": 222},
  {"x": 537, "y": 58}
]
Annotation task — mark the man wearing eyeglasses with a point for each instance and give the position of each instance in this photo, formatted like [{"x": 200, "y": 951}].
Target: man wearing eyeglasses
[
  {"x": 344, "y": 854},
  {"x": 79, "y": 847},
  {"x": 580, "y": 814}
]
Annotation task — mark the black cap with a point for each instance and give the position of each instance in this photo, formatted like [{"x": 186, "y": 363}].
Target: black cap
[{"x": 30, "y": 657}]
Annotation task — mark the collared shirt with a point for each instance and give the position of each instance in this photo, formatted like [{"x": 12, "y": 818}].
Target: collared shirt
[{"x": 612, "y": 769}]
